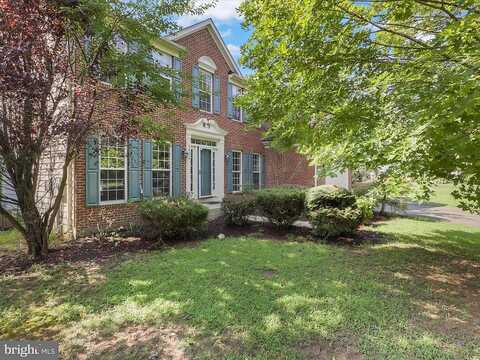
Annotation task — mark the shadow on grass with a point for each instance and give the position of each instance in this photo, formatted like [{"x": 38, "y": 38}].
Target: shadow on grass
[{"x": 239, "y": 296}]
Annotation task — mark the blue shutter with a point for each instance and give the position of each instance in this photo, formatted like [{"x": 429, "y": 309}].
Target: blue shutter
[
  {"x": 177, "y": 80},
  {"x": 229, "y": 172},
  {"x": 246, "y": 172},
  {"x": 92, "y": 181},
  {"x": 176, "y": 170},
  {"x": 229, "y": 100},
  {"x": 134, "y": 185},
  {"x": 147, "y": 169},
  {"x": 196, "y": 86},
  {"x": 216, "y": 94},
  {"x": 263, "y": 174}
]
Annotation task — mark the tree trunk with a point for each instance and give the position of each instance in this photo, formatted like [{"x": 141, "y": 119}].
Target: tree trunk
[
  {"x": 37, "y": 239},
  {"x": 36, "y": 233}
]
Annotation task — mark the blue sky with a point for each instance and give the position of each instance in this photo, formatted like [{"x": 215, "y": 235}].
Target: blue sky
[{"x": 228, "y": 21}]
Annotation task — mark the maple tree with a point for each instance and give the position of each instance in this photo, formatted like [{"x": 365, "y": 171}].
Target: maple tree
[{"x": 371, "y": 84}]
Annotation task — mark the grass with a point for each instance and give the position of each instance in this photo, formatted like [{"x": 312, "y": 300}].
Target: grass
[
  {"x": 415, "y": 296},
  {"x": 10, "y": 240},
  {"x": 442, "y": 194}
]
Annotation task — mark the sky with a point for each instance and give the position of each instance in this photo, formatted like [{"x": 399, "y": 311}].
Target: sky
[{"x": 228, "y": 21}]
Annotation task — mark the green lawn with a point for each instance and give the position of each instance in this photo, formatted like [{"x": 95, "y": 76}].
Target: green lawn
[
  {"x": 10, "y": 240},
  {"x": 443, "y": 195},
  {"x": 414, "y": 296}
]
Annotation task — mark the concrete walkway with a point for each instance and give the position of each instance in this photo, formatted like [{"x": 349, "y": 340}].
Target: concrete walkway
[{"x": 443, "y": 213}]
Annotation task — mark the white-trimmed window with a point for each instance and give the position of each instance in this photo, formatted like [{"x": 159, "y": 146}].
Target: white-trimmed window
[
  {"x": 237, "y": 111},
  {"x": 206, "y": 90},
  {"x": 236, "y": 171},
  {"x": 113, "y": 171},
  {"x": 256, "y": 171},
  {"x": 161, "y": 169},
  {"x": 165, "y": 61}
]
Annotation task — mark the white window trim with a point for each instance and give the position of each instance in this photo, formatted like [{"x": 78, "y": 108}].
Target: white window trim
[
  {"x": 125, "y": 166},
  {"x": 211, "y": 93},
  {"x": 170, "y": 170},
  {"x": 169, "y": 78},
  {"x": 259, "y": 172},
  {"x": 241, "y": 172}
]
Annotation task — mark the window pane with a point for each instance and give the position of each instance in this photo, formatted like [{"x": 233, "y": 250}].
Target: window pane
[
  {"x": 161, "y": 169},
  {"x": 256, "y": 163},
  {"x": 205, "y": 84},
  {"x": 112, "y": 170},
  {"x": 237, "y": 112},
  {"x": 236, "y": 171},
  {"x": 256, "y": 180},
  {"x": 161, "y": 182}
]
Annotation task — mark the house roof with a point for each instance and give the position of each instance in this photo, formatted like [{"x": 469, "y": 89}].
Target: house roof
[{"x": 210, "y": 26}]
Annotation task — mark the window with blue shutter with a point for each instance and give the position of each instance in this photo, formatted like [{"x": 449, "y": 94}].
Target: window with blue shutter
[
  {"x": 177, "y": 80},
  {"x": 195, "y": 86},
  {"x": 229, "y": 171},
  {"x": 216, "y": 94},
  {"x": 134, "y": 168},
  {"x": 246, "y": 172},
  {"x": 147, "y": 169},
  {"x": 176, "y": 170},
  {"x": 92, "y": 171},
  {"x": 263, "y": 166}
]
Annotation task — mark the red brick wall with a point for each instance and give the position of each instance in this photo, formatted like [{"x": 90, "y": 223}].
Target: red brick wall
[{"x": 285, "y": 168}]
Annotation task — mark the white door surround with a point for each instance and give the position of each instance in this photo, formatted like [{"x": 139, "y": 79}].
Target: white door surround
[{"x": 208, "y": 130}]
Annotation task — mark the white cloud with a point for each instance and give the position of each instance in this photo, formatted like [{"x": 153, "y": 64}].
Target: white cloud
[
  {"x": 226, "y": 33},
  {"x": 223, "y": 10},
  {"x": 234, "y": 50}
]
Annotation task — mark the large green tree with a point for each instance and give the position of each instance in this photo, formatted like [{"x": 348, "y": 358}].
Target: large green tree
[{"x": 371, "y": 84}]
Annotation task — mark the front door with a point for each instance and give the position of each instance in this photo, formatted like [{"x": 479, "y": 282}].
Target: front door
[{"x": 205, "y": 172}]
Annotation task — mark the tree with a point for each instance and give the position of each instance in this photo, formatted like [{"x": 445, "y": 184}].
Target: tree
[
  {"x": 52, "y": 54},
  {"x": 371, "y": 84}
]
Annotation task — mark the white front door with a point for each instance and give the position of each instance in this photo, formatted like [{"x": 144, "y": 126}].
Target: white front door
[
  {"x": 206, "y": 159},
  {"x": 202, "y": 170}
]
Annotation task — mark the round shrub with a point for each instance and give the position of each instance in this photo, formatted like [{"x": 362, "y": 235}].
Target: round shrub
[
  {"x": 237, "y": 207},
  {"x": 281, "y": 206},
  {"x": 329, "y": 196},
  {"x": 330, "y": 222},
  {"x": 171, "y": 219}
]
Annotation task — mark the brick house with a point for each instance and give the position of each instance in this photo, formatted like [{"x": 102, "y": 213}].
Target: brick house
[{"x": 211, "y": 151}]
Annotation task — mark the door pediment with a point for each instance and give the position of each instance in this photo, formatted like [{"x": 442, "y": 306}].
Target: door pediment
[{"x": 207, "y": 127}]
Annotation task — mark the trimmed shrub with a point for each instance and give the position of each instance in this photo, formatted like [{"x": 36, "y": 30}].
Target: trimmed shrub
[
  {"x": 170, "y": 219},
  {"x": 332, "y": 211},
  {"x": 328, "y": 223},
  {"x": 329, "y": 196},
  {"x": 281, "y": 206},
  {"x": 236, "y": 208}
]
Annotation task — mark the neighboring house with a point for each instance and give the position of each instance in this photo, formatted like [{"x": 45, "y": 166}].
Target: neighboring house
[{"x": 212, "y": 152}]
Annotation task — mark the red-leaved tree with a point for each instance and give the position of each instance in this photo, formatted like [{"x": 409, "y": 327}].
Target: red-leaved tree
[{"x": 51, "y": 56}]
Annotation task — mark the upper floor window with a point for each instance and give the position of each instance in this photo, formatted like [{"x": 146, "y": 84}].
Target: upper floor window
[
  {"x": 237, "y": 111},
  {"x": 113, "y": 172},
  {"x": 205, "y": 90},
  {"x": 161, "y": 169}
]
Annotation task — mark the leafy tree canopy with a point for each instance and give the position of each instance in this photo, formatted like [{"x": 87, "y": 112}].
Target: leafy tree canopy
[{"x": 371, "y": 84}]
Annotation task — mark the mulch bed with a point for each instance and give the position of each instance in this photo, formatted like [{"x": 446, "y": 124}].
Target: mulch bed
[
  {"x": 102, "y": 249},
  {"x": 85, "y": 249}
]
